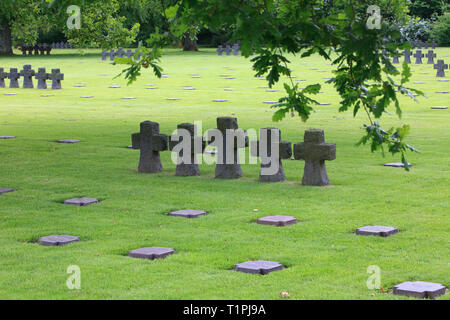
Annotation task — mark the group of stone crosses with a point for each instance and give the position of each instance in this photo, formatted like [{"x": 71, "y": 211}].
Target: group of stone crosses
[
  {"x": 313, "y": 150},
  {"x": 27, "y": 74},
  {"x": 228, "y": 48},
  {"x": 119, "y": 53},
  {"x": 37, "y": 49},
  {"x": 440, "y": 66},
  {"x": 62, "y": 45}
]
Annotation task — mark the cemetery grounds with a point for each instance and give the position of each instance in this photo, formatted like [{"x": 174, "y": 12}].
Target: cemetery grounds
[{"x": 322, "y": 256}]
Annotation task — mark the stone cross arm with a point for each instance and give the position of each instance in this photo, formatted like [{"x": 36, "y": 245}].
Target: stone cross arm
[
  {"x": 314, "y": 152},
  {"x": 285, "y": 149},
  {"x": 159, "y": 142}
]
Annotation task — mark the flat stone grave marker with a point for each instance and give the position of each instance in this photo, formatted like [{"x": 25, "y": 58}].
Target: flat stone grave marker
[
  {"x": 57, "y": 240},
  {"x": 189, "y": 89},
  {"x": 397, "y": 164},
  {"x": 418, "y": 82},
  {"x": 258, "y": 267},
  {"x": 86, "y": 97},
  {"x": 442, "y": 80},
  {"x": 173, "y": 99},
  {"x": 129, "y": 98},
  {"x": 272, "y": 90},
  {"x": 219, "y": 100},
  {"x": 151, "y": 88},
  {"x": 229, "y": 89},
  {"x": 196, "y": 77},
  {"x": 419, "y": 289},
  {"x": 230, "y": 78},
  {"x": 114, "y": 87},
  {"x": 47, "y": 95},
  {"x": 263, "y": 87},
  {"x": 279, "y": 221},
  {"x": 68, "y": 141},
  {"x": 79, "y": 86},
  {"x": 7, "y": 137},
  {"x": 5, "y": 190},
  {"x": 443, "y": 92},
  {"x": 82, "y": 202},
  {"x": 187, "y": 213},
  {"x": 151, "y": 253},
  {"x": 439, "y": 107},
  {"x": 270, "y": 102},
  {"x": 10, "y": 94},
  {"x": 380, "y": 231},
  {"x": 300, "y": 80},
  {"x": 324, "y": 104}
]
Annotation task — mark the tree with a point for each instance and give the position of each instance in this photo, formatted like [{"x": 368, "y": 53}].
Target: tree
[
  {"x": 425, "y": 9},
  {"x": 340, "y": 33},
  {"x": 22, "y": 20}
]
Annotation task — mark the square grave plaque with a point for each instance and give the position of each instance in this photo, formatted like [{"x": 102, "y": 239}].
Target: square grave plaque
[
  {"x": 397, "y": 164},
  {"x": 219, "y": 100},
  {"x": 187, "y": 213},
  {"x": 10, "y": 94},
  {"x": 68, "y": 141},
  {"x": 151, "y": 253},
  {"x": 439, "y": 107},
  {"x": 258, "y": 267},
  {"x": 5, "y": 190},
  {"x": 419, "y": 289},
  {"x": 82, "y": 202},
  {"x": 380, "y": 231},
  {"x": 7, "y": 137},
  {"x": 86, "y": 97},
  {"x": 129, "y": 98},
  {"x": 57, "y": 240},
  {"x": 173, "y": 99},
  {"x": 279, "y": 221}
]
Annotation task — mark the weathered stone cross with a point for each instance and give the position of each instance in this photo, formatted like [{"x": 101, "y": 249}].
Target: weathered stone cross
[
  {"x": 152, "y": 142},
  {"x": 42, "y": 77},
  {"x": 431, "y": 55},
  {"x": 232, "y": 138},
  {"x": 27, "y": 73},
  {"x": 315, "y": 151},
  {"x": 407, "y": 54},
  {"x": 271, "y": 161},
  {"x": 120, "y": 53},
  {"x": 3, "y": 76},
  {"x": 440, "y": 67},
  {"x": 112, "y": 54},
  {"x": 56, "y": 76},
  {"x": 13, "y": 76},
  {"x": 418, "y": 55},
  {"x": 104, "y": 54},
  {"x": 187, "y": 164}
]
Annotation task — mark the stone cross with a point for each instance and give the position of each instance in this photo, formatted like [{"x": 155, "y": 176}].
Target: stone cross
[
  {"x": 27, "y": 73},
  {"x": 56, "y": 76},
  {"x": 268, "y": 157},
  {"x": 129, "y": 53},
  {"x": 228, "y": 165},
  {"x": 136, "y": 140},
  {"x": 36, "y": 50},
  {"x": 431, "y": 55},
  {"x": 30, "y": 50},
  {"x": 104, "y": 54},
  {"x": 407, "y": 54},
  {"x": 395, "y": 60},
  {"x": 187, "y": 165},
  {"x": 112, "y": 54},
  {"x": 236, "y": 49},
  {"x": 426, "y": 45},
  {"x": 120, "y": 53},
  {"x": 419, "y": 44},
  {"x": 42, "y": 77},
  {"x": 13, "y": 76},
  {"x": 3, "y": 76},
  {"x": 42, "y": 49},
  {"x": 220, "y": 50},
  {"x": 48, "y": 49},
  {"x": 228, "y": 49},
  {"x": 418, "y": 55},
  {"x": 152, "y": 143},
  {"x": 433, "y": 45},
  {"x": 440, "y": 67},
  {"x": 315, "y": 151}
]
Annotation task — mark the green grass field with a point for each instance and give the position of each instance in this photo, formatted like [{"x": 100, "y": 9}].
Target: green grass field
[{"x": 323, "y": 258}]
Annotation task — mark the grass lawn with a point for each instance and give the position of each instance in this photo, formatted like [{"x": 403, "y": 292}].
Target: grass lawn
[{"x": 323, "y": 258}]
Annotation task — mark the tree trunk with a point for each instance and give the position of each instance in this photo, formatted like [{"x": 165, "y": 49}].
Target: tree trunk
[
  {"x": 188, "y": 43},
  {"x": 5, "y": 40}
]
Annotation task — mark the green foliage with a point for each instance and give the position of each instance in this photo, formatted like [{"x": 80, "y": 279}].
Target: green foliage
[
  {"x": 441, "y": 30},
  {"x": 426, "y": 9},
  {"x": 270, "y": 29}
]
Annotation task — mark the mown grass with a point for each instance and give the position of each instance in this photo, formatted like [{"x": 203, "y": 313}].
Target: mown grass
[{"x": 323, "y": 257}]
